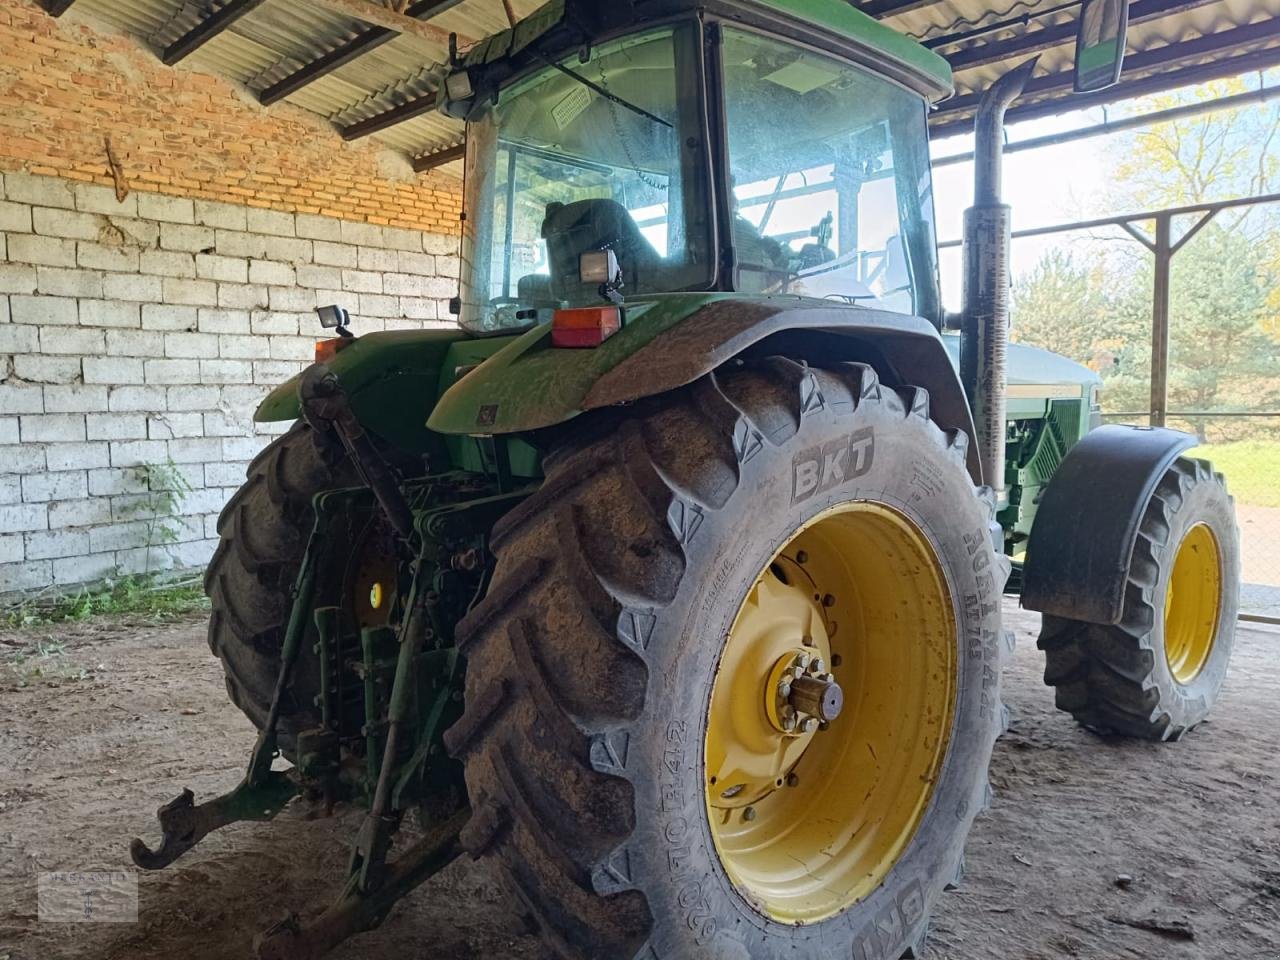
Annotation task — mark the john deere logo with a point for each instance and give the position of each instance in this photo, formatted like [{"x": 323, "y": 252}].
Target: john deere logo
[
  {"x": 488, "y": 415},
  {"x": 818, "y": 469}
]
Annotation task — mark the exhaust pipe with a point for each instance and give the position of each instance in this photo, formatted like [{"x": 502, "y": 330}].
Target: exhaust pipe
[{"x": 985, "y": 324}]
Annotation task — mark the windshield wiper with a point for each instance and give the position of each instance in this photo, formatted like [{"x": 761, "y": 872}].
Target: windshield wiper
[{"x": 613, "y": 97}]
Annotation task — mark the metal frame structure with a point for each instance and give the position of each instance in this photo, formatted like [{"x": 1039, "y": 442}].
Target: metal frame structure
[{"x": 1163, "y": 248}]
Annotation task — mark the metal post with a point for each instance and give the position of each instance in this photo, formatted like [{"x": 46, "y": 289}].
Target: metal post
[{"x": 1163, "y": 251}]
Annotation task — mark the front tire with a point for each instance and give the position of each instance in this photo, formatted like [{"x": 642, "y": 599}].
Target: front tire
[
  {"x": 595, "y": 664},
  {"x": 1158, "y": 672}
]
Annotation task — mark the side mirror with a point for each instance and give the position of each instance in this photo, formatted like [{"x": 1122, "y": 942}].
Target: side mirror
[{"x": 1100, "y": 44}]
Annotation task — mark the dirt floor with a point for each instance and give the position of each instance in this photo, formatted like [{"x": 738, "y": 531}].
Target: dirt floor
[{"x": 94, "y": 738}]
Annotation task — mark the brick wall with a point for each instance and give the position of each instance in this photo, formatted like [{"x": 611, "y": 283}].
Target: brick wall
[
  {"x": 69, "y": 86},
  {"x": 138, "y": 334}
]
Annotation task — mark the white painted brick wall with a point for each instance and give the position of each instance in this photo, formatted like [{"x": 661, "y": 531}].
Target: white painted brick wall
[{"x": 144, "y": 333}]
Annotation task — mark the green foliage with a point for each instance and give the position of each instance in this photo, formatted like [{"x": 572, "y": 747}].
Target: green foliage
[
  {"x": 43, "y": 660},
  {"x": 1073, "y": 310},
  {"x": 167, "y": 491},
  {"x": 144, "y": 597},
  {"x": 1251, "y": 468},
  {"x": 1224, "y": 298}
]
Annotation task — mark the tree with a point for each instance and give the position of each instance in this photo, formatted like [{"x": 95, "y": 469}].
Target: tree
[
  {"x": 1213, "y": 156},
  {"x": 1064, "y": 307},
  {"x": 1224, "y": 294}
]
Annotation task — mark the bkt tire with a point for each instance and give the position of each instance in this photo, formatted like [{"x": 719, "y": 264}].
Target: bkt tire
[
  {"x": 734, "y": 689},
  {"x": 1158, "y": 672}
]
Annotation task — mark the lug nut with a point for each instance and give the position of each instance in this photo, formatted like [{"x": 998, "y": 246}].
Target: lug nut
[
  {"x": 809, "y": 725},
  {"x": 784, "y": 688},
  {"x": 788, "y": 724},
  {"x": 817, "y": 666},
  {"x": 802, "y": 660}
]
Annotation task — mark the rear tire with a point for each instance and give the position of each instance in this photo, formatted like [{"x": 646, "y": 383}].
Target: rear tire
[
  {"x": 1158, "y": 672},
  {"x": 592, "y": 658},
  {"x": 250, "y": 580}
]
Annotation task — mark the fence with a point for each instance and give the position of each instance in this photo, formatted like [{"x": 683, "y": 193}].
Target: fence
[{"x": 1178, "y": 310}]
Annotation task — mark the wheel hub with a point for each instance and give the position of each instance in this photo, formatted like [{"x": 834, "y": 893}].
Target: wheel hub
[
  {"x": 800, "y": 696},
  {"x": 783, "y": 634}
]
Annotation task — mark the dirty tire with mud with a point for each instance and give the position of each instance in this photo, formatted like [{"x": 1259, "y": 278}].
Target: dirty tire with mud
[
  {"x": 250, "y": 580},
  {"x": 1117, "y": 678},
  {"x": 591, "y": 659}
]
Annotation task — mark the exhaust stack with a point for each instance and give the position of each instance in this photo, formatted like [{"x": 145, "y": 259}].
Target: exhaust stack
[{"x": 985, "y": 325}]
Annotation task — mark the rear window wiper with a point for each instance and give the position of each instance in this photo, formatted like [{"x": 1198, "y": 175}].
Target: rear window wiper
[{"x": 613, "y": 97}]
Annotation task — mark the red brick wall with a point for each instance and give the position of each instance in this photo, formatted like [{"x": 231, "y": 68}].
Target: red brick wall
[{"x": 66, "y": 88}]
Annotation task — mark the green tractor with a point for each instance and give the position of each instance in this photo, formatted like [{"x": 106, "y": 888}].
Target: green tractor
[{"x": 672, "y": 577}]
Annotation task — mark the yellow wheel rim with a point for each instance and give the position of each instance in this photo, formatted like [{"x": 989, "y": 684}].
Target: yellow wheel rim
[
  {"x": 371, "y": 578},
  {"x": 1193, "y": 603},
  {"x": 809, "y": 820}
]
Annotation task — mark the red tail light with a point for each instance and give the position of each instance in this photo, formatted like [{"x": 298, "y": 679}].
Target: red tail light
[{"x": 585, "y": 326}]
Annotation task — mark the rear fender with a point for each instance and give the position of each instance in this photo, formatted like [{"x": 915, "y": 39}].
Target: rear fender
[
  {"x": 1083, "y": 536},
  {"x": 671, "y": 341},
  {"x": 393, "y": 380}
]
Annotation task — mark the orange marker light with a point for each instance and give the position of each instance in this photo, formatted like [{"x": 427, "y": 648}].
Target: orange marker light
[
  {"x": 326, "y": 350},
  {"x": 585, "y": 326}
]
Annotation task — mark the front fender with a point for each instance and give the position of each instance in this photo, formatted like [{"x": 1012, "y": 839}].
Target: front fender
[
  {"x": 669, "y": 341},
  {"x": 1084, "y": 532}
]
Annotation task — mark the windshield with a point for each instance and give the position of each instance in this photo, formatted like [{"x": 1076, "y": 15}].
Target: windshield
[
  {"x": 830, "y": 172},
  {"x": 605, "y": 153}
]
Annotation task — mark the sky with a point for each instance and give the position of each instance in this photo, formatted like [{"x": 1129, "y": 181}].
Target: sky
[{"x": 1047, "y": 185}]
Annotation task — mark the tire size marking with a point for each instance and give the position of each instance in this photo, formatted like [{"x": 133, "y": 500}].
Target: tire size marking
[
  {"x": 699, "y": 917},
  {"x": 980, "y": 642},
  {"x": 818, "y": 469}
]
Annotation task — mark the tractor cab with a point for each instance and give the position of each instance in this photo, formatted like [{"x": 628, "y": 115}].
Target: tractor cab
[{"x": 737, "y": 147}]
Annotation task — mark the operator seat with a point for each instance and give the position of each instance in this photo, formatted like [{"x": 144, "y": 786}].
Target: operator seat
[{"x": 572, "y": 229}]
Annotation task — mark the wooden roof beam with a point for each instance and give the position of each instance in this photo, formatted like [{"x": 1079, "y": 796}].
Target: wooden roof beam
[
  {"x": 207, "y": 29},
  {"x": 389, "y": 118},
  {"x": 379, "y": 15},
  {"x": 429, "y": 161},
  {"x": 368, "y": 39}
]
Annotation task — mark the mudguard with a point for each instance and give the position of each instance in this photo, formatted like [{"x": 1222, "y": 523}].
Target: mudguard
[
  {"x": 1082, "y": 540},
  {"x": 393, "y": 380},
  {"x": 669, "y": 341}
]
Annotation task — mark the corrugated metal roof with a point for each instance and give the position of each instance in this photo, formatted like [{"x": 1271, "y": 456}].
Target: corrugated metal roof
[
  {"x": 280, "y": 36},
  {"x": 1169, "y": 41}
]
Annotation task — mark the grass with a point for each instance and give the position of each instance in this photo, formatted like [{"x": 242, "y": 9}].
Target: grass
[
  {"x": 44, "y": 660},
  {"x": 1252, "y": 469},
  {"x": 144, "y": 597}
]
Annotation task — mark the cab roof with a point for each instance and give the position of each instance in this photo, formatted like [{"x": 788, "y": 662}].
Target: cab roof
[{"x": 841, "y": 18}]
